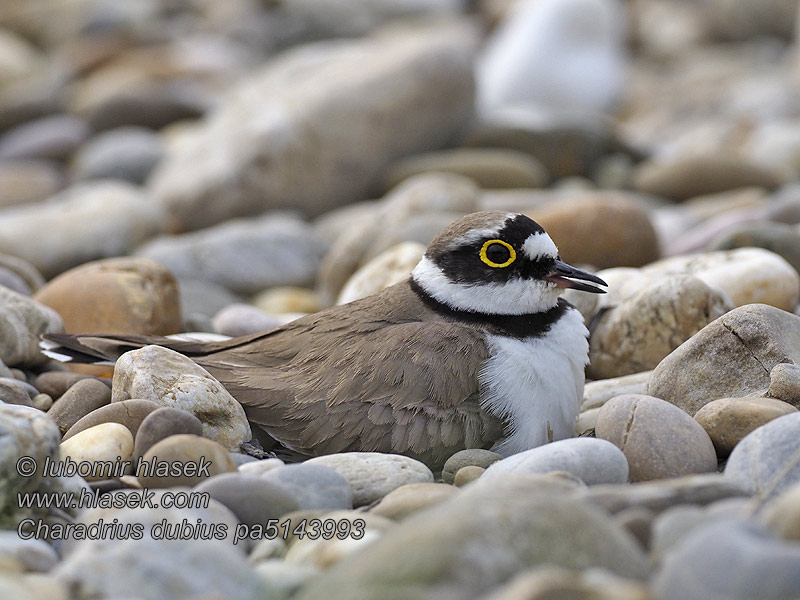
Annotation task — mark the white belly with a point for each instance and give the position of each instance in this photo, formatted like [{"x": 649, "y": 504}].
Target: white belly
[{"x": 536, "y": 384}]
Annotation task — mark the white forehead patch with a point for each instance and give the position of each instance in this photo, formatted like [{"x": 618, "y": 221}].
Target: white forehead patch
[{"x": 539, "y": 244}]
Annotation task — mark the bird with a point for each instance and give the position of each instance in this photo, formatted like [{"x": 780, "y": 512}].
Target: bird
[{"x": 476, "y": 349}]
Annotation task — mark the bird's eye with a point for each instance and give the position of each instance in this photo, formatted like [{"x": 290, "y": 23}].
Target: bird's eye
[{"x": 497, "y": 253}]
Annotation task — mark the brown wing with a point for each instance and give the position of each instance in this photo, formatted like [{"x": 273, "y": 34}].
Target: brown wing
[{"x": 382, "y": 374}]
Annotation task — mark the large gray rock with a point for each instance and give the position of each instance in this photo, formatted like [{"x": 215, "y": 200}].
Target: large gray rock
[
  {"x": 82, "y": 223},
  {"x": 315, "y": 128},
  {"x": 767, "y": 461},
  {"x": 635, "y": 335},
  {"x": 244, "y": 256},
  {"x": 463, "y": 547},
  {"x": 730, "y": 357},
  {"x": 168, "y": 378},
  {"x": 22, "y": 322},
  {"x": 314, "y": 486},
  {"x": 730, "y": 559},
  {"x": 159, "y": 570},
  {"x": 24, "y": 432}
]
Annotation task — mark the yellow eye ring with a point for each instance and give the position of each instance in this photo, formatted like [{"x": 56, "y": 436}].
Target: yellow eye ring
[{"x": 511, "y": 252}]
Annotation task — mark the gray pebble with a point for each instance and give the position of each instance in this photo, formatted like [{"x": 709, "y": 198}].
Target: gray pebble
[
  {"x": 476, "y": 457},
  {"x": 253, "y": 500},
  {"x": 79, "y": 400},
  {"x": 161, "y": 423},
  {"x": 313, "y": 486}
]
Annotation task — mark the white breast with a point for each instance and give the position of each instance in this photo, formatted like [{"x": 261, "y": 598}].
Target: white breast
[{"x": 536, "y": 384}]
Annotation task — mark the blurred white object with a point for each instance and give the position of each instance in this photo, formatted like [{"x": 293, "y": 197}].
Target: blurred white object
[{"x": 554, "y": 55}]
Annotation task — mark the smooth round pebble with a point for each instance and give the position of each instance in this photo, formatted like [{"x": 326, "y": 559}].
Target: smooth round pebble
[
  {"x": 767, "y": 461},
  {"x": 658, "y": 439},
  {"x": 12, "y": 391},
  {"x": 372, "y": 475},
  {"x": 784, "y": 383},
  {"x": 253, "y": 500},
  {"x": 129, "y": 413},
  {"x": 127, "y": 153},
  {"x": 260, "y": 467},
  {"x": 55, "y": 383},
  {"x": 42, "y": 402},
  {"x": 411, "y": 498},
  {"x": 476, "y": 457},
  {"x": 283, "y": 579},
  {"x": 101, "y": 443},
  {"x": 81, "y": 398},
  {"x": 161, "y": 423},
  {"x": 467, "y": 475},
  {"x": 593, "y": 461},
  {"x": 33, "y": 554},
  {"x": 193, "y": 452},
  {"x": 728, "y": 420},
  {"x": 313, "y": 486}
]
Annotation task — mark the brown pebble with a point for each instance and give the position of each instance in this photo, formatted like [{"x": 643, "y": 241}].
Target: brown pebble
[
  {"x": 43, "y": 402},
  {"x": 79, "y": 400},
  {"x": 467, "y": 474},
  {"x": 162, "y": 423},
  {"x": 55, "y": 383},
  {"x": 195, "y": 457},
  {"x": 129, "y": 413}
]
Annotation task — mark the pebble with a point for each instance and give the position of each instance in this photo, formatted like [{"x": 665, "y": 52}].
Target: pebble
[
  {"x": 320, "y": 119},
  {"x": 121, "y": 295},
  {"x": 129, "y": 413},
  {"x": 20, "y": 273},
  {"x": 467, "y": 475},
  {"x": 372, "y": 475},
  {"x": 767, "y": 461},
  {"x": 313, "y": 486},
  {"x": 728, "y": 420},
  {"x": 477, "y": 457},
  {"x": 190, "y": 450},
  {"x": 746, "y": 275},
  {"x": 324, "y": 553},
  {"x": 201, "y": 300},
  {"x": 51, "y": 138},
  {"x": 729, "y": 559},
  {"x": 281, "y": 579},
  {"x": 243, "y": 256},
  {"x": 603, "y": 229},
  {"x": 101, "y": 443},
  {"x": 84, "y": 222},
  {"x": 784, "y": 383},
  {"x": 689, "y": 176},
  {"x": 127, "y": 153},
  {"x": 24, "y": 431},
  {"x": 661, "y": 494},
  {"x": 243, "y": 319},
  {"x": 411, "y": 498},
  {"x": 56, "y": 383},
  {"x": 597, "y": 393},
  {"x": 500, "y": 528},
  {"x": 161, "y": 423},
  {"x": 82, "y": 397},
  {"x": 28, "y": 182},
  {"x": 490, "y": 168},
  {"x": 287, "y": 299},
  {"x": 34, "y": 555},
  {"x": 781, "y": 516},
  {"x": 260, "y": 467},
  {"x": 42, "y": 402},
  {"x": 638, "y": 333},
  {"x": 254, "y": 500},
  {"x": 659, "y": 440},
  {"x": 546, "y": 582},
  {"x": 586, "y": 422},
  {"x": 387, "y": 268},
  {"x": 539, "y": 58},
  {"x": 779, "y": 238},
  {"x": 22, "y": 322},
  {"x": 593, "y": 461},
  {"x": 729, "y": 358},
  {"x": 168, "y": 378},
  {"x": 13, "y": 392},
  {"x": 155, "y": 569}
]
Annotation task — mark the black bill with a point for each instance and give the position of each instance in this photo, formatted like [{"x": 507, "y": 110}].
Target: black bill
[{"x": 563, "y": 274}]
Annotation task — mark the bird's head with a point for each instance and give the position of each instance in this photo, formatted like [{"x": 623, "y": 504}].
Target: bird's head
[{"x": 495, "y": 262}]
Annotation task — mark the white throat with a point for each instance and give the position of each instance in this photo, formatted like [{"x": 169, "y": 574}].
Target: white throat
[{"x": 516, "y": 297}]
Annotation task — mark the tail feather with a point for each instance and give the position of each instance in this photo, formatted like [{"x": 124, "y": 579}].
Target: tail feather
[{"x": 99, "y": 349}]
